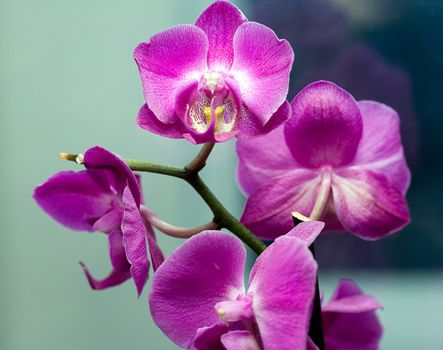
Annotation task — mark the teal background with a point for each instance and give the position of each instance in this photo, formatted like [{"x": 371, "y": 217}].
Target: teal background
[{"x": 67, "y": 82}]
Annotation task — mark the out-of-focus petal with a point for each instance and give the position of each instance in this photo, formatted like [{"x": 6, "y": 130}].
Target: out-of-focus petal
[
  {"x": 261, "y": 66},
  {"x": 75, "y": 199},
  {"x": 380, "y": 148},
  {"x": 239, "y": 340},
  {"x": 307, "y": 231},
  {"x": 206, "y": 269},
  {"x": 147, "y": 120},
  {"x": 367, "y": 204},
  {"x": 220, "y": 22},
  {"x": 283, "y": 284},
  {"x": 209, "y": 337},
  {"x": 262, "y": 159},
  {"x": 268, "y": 209},
  {"x": 325, "y": 127},
  {"x": 134, "y": 240},
  {"x": 171, "y": 58},
  {"x": 347, "y": 328},
  {"x": 99, "y": 158}
]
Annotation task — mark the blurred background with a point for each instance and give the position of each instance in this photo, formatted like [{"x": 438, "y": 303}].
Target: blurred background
[{"x": 68, "y": 81}]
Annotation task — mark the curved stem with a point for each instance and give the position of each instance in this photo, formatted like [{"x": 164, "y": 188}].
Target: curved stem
[
  {"x": 199, "y": 162},
  {"x": 221, "y": 215},
  {"x": 174, "y": 231}
]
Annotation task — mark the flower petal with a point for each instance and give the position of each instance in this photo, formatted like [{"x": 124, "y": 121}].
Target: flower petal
[
  {"x": 307, "y": 231},
  {"x": 120, "y": 272},
  {"x": 380, "y": 148},
  {"x": 239, "y": 340},
  {"x": 250, "y": 125},
  {"x": 261, "y": 66},
  {"x": 115, "y": 278},
  {"x": 134, "y": 240},
  {"x": 147, "y": 120},
  {"x": 220, "y": 22},
  {"x": 209, "y": 337},
  {"x": 117, "y": 251},
  {"x": 268, "y": 210},
  {"x": 325, "y": 127},
  {"x": 354, "y": 326},
  {"x": 367, "y": 204},
  {"x": 99, "y": 158},
  {"x": 262, "y": 159},
  {"x": 206, "y": 269},
  {"x": 75, "y": 199},
  {"x": 155, "y": 252},
  {"x": 283, "y": 285},
  {"x": 171, "y": 58}
]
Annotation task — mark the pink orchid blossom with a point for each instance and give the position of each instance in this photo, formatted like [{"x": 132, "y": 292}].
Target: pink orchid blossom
[
  {"x": 222, "y": 77},
  {"x": 105, "y": 197},
  {"x": 333, "y": 147},
  {"x": 199, "y": 300},
  {"x": 349, "y": 320}
]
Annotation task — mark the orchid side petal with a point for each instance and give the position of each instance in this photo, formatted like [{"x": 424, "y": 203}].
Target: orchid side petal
[
  {"x": 171, "y": 58},
  {"x": 380, "y": 148},
  {"x": 206, "y": 269},
  {"x": 210, "y": 337},
  {"x": 307, "y": 231},
  {"x": 147, "y": 120},
  {"x": 282, "y": 282}
]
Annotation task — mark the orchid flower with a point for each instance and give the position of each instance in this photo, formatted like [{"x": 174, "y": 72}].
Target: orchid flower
[
  {"x": 105, "y": 197},
  {"x": 349, "y": 320},
  {"x": 334, "y": 150},
  {"x": 222, "y": 77},
  {"x": 198, "y": 298}
]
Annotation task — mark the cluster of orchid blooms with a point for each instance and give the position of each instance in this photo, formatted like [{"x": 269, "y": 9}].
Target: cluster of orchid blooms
[{"x": 336, "y": 162}]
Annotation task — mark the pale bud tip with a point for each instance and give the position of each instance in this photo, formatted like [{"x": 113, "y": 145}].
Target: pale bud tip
[{"x": 64, "y": 156}]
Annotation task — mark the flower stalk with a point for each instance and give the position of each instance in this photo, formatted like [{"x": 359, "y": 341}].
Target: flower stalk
[{"x": 222, "y": 216}]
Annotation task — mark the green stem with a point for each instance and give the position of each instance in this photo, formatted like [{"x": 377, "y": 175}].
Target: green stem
[{"x": 221, "y": 215}]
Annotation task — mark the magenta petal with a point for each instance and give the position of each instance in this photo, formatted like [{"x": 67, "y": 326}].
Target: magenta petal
[
  {"x": 115, "y": 278},
  {"x": 220, "y": 22},
  {"x": 148, "y": 121},
  {"x": 307, "y": 231},
  {"x": 283, "y": 284},
  {"x": 205, "y": 270},
  {"x": 367, "y": 204},
  {"x": 117, "y": 252},
  {"x": 263, "y": 158},
  {"x": 134, "y": 240},
  {"x": 326, "y": 126},
  {"x": 171, "y": 58},
  {"x": 261, "y": 66},
  {"x": 268, "y": 211},
  {"x": 250, "y": 126},
  {"x": 239, "y": 340},
  {"x": 109, "y": 222},
  {"x": 99, "y": 158},
  {"x": 75, "y": 199},
  {"x": 210, "y": 337},
  {"x": 155, "y": 252},
  {"x": 380, "y": 148},
  {"x": 312, "y": 346},
  {"x": 347, "y": 328}
]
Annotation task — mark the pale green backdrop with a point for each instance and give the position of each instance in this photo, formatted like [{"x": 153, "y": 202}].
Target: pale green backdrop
[{"x": 67, "y": 82}]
